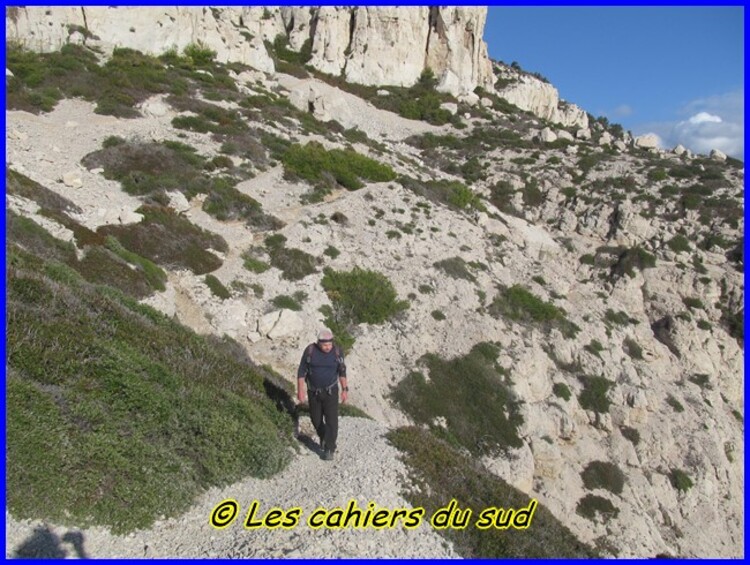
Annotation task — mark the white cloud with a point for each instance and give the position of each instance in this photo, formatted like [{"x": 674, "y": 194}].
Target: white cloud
[
  {"x": 622, "y": 111},
  {"x": 703, "y": 117},
  {"x": 717, "y": 122}
]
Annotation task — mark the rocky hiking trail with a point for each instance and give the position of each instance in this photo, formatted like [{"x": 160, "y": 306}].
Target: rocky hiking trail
[{"x": 366, "y": 469}]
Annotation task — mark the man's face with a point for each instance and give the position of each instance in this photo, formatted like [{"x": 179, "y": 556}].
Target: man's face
[{"x": 325, "y": 346}]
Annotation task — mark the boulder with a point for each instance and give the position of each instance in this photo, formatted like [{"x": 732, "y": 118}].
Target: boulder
[
  {"x": 72, "y": 179},
  {"x": 717, "y": 155},
  {"x": 452, "y": 107},
  {"x": 647, "y": 141},
  {"x": 547, "y": 135}
]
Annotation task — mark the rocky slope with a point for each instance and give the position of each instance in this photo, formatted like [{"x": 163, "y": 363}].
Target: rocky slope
[{"x": 634, "y": 247}]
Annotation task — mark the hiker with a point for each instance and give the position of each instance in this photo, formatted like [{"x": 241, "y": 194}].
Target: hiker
[{"x": 320, "y": 371}]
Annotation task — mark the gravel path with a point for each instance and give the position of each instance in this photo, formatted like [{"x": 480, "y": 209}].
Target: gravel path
[{"x": 366, "y": 469}]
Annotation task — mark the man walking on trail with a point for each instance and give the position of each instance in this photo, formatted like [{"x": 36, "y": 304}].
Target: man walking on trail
[{"x": 320, "y": 371}]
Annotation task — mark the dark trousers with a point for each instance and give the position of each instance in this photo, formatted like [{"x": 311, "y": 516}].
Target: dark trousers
[{"x": 324, "y": 413}]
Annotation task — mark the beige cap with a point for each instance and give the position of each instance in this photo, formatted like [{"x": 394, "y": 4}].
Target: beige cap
[{"x": 325, "y": 335}]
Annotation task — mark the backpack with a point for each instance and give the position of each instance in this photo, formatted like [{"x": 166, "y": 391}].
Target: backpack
[{"x": 339, "y": 360}]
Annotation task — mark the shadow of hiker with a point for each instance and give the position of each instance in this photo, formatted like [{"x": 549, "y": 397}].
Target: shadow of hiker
[{"x": 44, "y": 543}]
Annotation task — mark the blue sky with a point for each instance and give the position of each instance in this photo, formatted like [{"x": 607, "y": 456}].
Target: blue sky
[{"x": 674, "y": 71}]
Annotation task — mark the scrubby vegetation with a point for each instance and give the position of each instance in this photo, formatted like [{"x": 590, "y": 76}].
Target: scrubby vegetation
[
  {"x": 362, "y": 297},
  {"x": 592, "y": 506},
  {"x": 473, "y": 396},
  {"x": 518, "y": 304},
  {"x": 111, "y": 419},
  {"x": 440, "y": 472},
  {"x": 605, "y": 475},
  {"x": 326, "y": 169},
  {"x": 594, "y": 394},
  {"x": 150, "y": 170}
]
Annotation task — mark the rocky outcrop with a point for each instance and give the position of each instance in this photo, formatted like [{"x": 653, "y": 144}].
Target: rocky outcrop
[{"x": 367, "y": 45}]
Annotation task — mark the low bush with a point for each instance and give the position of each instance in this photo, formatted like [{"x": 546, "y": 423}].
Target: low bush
[
  {"x": 679, "y": 244},
  {"x": 631, "y": 434},
  {"x": 632, "y": 348},
  {"x": 561, "y": 390},
  {"x": 456, "y": 268},
  {"x": 362, "y": 297},
  {"x": 294, "y": 264},
  {"x": 594, "y": 394},
  {"x": 472, "y": 396},
  {"x": 518, "y": 304},
  {"x": 111, "y": 419},
  {"x": 591, "y": 506},
  {"x": 675, "y": 404},
  {"x": 440, "y": 473},
  {"x": 216, "y": 287},
  {"x": 603, "y": 474},
  {"x": 348, "y": 168},
  {"x": 680, "y": 480}
]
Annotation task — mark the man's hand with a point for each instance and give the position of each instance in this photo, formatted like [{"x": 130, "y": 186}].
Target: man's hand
[
  {"x": 301, "y": 396},
  {"x": 344, "y": 396}
]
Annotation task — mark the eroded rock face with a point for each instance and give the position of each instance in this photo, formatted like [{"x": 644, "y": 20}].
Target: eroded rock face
[
  {"x": 368, "y": 45},
  {"x": 543, "y": 100}
]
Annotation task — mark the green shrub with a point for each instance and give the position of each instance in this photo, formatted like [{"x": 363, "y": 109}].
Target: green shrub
[
  {"x": 561, "y": 390},
  {"x": 591, "y": 506},
  {"x": 539, "y": 280},
  {"x": 594, "y": 394},
  {"x": 700, "y": 379},
  {"x": 595, "y": 347},
  {"x": 426, "y": 289},
  {"x": 675, "y": 404},
  {"x": 155, "y": 276},
  {"x": 680, "y": 480},
  {"x": 348, "y": 168},
  {"x": 693, "y": 303},
  {"x": 587, "y": 259},
  {"x": 438, "y": 315},
  {"x": 679, "y": 244},
  {"x": 704, "y": 325},
  {"x": 361, "y": 296},
  {"x": 186, "y": 247},
  {"x": 456, "y": 268},
  {"x": 619, "y": 318},
  {"x": 217, "y": 288},
  {"x": 252, "y": 263},
  {"x": 631, "y": 434},
  {"x": 603, "y": 474},
  {"x": 518, "y": 304},
  {"x": 632, "y": 348},
  {"x": 283, "y": 301},
  {"x": 469, "y": 393},
  {"x": 657, "y": 174},
  {"x": 111, "y": 419},
  {"x": 453, "y": 194},
  {"x": 331, "y": 252}
]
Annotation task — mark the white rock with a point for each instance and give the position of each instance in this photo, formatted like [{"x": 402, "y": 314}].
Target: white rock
[
  {"x": 717, "y": 155},
  {"x": 178, "y": 202},
  {"x": 542, "y": 99},
  {"x": 470, "y": 98},
  {"x": 516, "y": 468},
  {"x": 486, "y": 102},
  {"x": 288, "y": 324},
  {"x": 8, "y": 73},
  {"x": 566, "y": 135},
  {"x": 452, "y": 107},
  {"x": 647, "y": 141},
  {"x": 254, "y": 337},
  {"x": 128, "y": 216},
  {"x": 382, "y": 92},
  {"x": 679, "y": 149},
  {"x": 605, "y": 138},
  {"x": 266, "y": 323},
  {"x": 155, "y": 107},
  {"x": 583, "y": 133},
  {"x": 72, "y": 179},
  {"x": 621, "y": 145},
  {"x": 547, "y": 135}
]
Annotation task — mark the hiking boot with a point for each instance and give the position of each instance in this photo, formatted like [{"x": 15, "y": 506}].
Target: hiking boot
[
  {"x": 327, "y": 455},
  {"x": 322, "y": 444}
]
